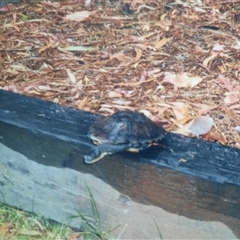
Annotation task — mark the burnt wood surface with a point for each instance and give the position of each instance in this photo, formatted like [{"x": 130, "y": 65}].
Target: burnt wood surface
[{"x": 205, "y": 185}]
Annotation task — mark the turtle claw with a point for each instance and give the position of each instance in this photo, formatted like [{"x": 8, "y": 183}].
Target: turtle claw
[
  {"x": 87, "y": 159},
  {"x": 94, "y": 155}
]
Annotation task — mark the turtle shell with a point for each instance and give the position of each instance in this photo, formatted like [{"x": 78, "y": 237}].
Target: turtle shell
[{"x": 127, "y": 127}]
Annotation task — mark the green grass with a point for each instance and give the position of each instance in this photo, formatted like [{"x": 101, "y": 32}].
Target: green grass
[
  {"x": 16, "y": 224},
  {"x": 19, "y": 225},
  {"x": 93, "y": 223}
]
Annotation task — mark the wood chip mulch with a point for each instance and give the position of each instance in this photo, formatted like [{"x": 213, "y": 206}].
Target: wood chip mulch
[{"x": 177, "y": 61}]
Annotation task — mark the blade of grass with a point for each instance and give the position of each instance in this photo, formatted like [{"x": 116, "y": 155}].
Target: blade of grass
[
  {"x": 158, "y": 229},
  {"x": 93, "y": 204}
]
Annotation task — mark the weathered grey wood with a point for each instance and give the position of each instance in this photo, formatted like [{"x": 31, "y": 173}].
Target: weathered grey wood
[
  {"x": 58, "y": 193},
  {"x": 206, "y": 186},
  {"x": 5, "y": 2}
]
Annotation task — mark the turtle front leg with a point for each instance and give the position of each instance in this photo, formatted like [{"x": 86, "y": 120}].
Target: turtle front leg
[{"x": 102, "y": 150}]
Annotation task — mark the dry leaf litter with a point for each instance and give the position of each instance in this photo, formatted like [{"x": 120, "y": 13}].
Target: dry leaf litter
[{"x": 176, "y": 61}]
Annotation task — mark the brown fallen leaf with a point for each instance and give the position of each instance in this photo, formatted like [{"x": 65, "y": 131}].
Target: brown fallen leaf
[
  {"x": 164, "y": 24},
  {"x": 3, "y": 229},
  {"x": 121, "y": 57},
  {"x": 204, "y": 108},
  {"x": 181, "y": 111},
  {"x": 235, "y": 106},
  {"x": 75, "y": 236},
  {"x": 138, "y": 55},
  {"x": 218, "y": 137},
  {"x": 82, "y": 103},
  {"x": 224, "y": 82},
  {"x": 48, "y": 46}
]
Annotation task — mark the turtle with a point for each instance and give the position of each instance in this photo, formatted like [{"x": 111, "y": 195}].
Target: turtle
[{"x": 122, "y": 131}]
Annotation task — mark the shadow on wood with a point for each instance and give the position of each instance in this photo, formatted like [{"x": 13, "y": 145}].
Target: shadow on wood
[{"x": 206, "y": 186}]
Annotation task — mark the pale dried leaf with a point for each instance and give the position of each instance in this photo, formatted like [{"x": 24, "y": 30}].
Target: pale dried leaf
[
  {"x": 79, "y": 48},
  {"x": 143, "y": 77},
  {"x": 181, "y": 79},
  {"x": 149, "y": 115},
  {"x": 162, "y": 18},
  {"x": 138, "y": 55},
  {"x": 162, "y": 42},
  {"x": 184, "y": 129},
  {"x": 121, "y": 107},
  {"x": 180, "y": 110},
  {"x": 225, "y": 83},
  {"x": 114, "y": 94},
  {"x": 3, "y": 229},
  {"x": 182, "y": 121},
  {"x": 87, "y": 3},
  {"x": 162, "y": 109},
  {"x": 237, "y": 128},
  {"x": 9, "y": 25},
  {"x": 18, "y": 67},
  {"x": 165, "y": 25},
  {"x": 71, "y": 75},
  {"x": 153, "y": 71},
  {"x": 126, "y": 93},
  {"x": 121, "y": 102},
  {"x": 29, "y": 232},
  {"x": 235, "y": 106},
  {"x": 201, "y": 125},
  {"x": 218, "y": 48},
  {"x": 207, "y": 60},
  {"x": 231, "y": 98},
  {"x": 50, "y": 45},
  {"x": 44, "y": 87},
  {"x": 75, "y": 236},
  {"x": 198, "y": 9},
  {"x": 204, "y": 108},
  {"x": 137, "y": 38},
  {"x": 198, "y": 49},
  {"x": 121, "y": 57},
  {"x": 79, "y": 16},
  {"x": 11, "y": 88}
]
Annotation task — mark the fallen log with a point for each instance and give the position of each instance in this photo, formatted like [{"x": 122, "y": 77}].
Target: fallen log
[{"x": 42, "y": 145}]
